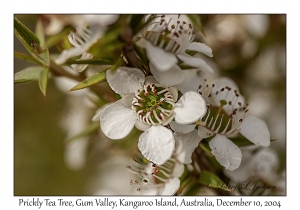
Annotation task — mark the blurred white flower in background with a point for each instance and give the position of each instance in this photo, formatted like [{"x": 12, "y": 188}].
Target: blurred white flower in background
[{"x": 88, "y": 32}]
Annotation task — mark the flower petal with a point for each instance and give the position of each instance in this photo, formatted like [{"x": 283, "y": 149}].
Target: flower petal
[
  {"x": 172, "y": 77},
  {"x": 157, "y": 144},
  {"x": 141, "y": 126},
  {"x": 174, "y": 92},
  {"x": 204, "y": 132},
  {"x": 96, "y": 117},
  {"x": 189, "y": 108},
  {"x": 191, "y": 81},
  {"x": 195, "y": 62},
  {"x": 182, "y": 128},
  {"x": 170, "y": 187},
  {"x": 185, "y": 146},
  {"x": 125, "y": 80},
  {"x": 126, "y": 100},
  {"x": 200, "y": 47},
  {"x": 150, "y": 80},
  {"x": 81, "y": 67},
  {"x": 178, "y": 169},
  {"x": 226, "y": 152},
  {"x": 116, "y": 121},
  {"x": 161, "y": 59},
  {"x": 256, "y": 131}
]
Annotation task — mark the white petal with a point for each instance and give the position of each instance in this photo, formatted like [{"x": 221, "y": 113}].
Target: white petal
[
  {"x": 161, "y": 59},
  {"x": 182, "y": 128},
  {"x": 125, "y": 80},
  {"x": 81, "y": 67},
  {"x": 172, "y": 77},
  {"x": 141, "y": 126},
  {"x": 96, "y": 117},
  {"x": 226, "y": 152},
  {"x": 116, "y": 121},
  {"x": 157, "y": 144},
  {"x": 174, "y": 92},
  {"x": 204, "y": 132},
  {"x": 66, "y": 54},
  {"x": 256, "y": 131},
  {"x": 126, "y": 100},
  {"x": 178, "y": 169},
  {"x": 185, "y": 146},
  {"x": 150, "y": 80},
  {"x": 170, "y": 187},
  {"x": 195, "y": 62},
  {"x": 200, "y": 47},
  {"x": 189, "y": 108},
  {"x": 191, "y": 81}
]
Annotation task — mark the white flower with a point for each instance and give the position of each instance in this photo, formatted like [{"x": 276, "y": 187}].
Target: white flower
[
  {"x": 226, "y": 117},
  {"x": 87, "y": 33},
  {"x": 166, "y": 39},
  {"x": 149, "y": 106},
  {"x": 153, "y": 179}
]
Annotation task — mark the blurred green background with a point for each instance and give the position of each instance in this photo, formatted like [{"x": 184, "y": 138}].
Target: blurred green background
[{"x": 250, "y": 50}]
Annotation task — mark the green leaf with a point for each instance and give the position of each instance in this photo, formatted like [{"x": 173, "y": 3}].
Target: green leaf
[
  {"x": 92, "y": 80},
  {"x": 92, "y": 61},
  {"x": 43, "y": 81},
  {"x": 31, "y": 43},
  {"x": 28, "y": 74},
  {"x": 196, "y": 22},
  {"x": 26, "y": 57},
  {"x": 241, "y": 141},
  {"x": 25, "y": 34},
  {"x": 39, "y": 31},
  {"x": 43, "y": 58},
  {"x": 211, "y": 180},
  {"x": 87, "y": 131},
  {"x": 53, "y": 40}
]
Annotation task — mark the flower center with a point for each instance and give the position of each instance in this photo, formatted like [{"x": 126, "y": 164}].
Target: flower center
[{"x": 153, "y": 104}]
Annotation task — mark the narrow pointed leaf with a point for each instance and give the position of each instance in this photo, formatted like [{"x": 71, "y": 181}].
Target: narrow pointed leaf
[
  {"x": 53, "y": 40},
  {"x": 39, "y": 31},
  {"x": 31, "y": 43},
  {"x": 241, "y": 141},
  {"x": 92, "y": 61},
  {"x": 25, "y": 34},
  {"x": 92, "y": 80},
  {"x": 196, "y": 22},
  {"x": 43, "y": 81},
  {"x": 26, "y": 57},
  {"x": 87, "y": 131},
  {"x": 28, "y": 74},
  {"x": 211, "y": 180}
]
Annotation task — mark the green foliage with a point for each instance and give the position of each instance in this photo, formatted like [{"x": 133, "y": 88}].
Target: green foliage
[
  {"x": 197, "y": 23},
  {"x": 29, "y": 74},
  {"x": 31, "y": 42},
  {"x": 43, "y": 81},
  {"x": 92, "y": 80}
]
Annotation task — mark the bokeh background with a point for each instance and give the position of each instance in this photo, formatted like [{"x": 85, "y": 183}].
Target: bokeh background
[{"x": 250, "y": 49}]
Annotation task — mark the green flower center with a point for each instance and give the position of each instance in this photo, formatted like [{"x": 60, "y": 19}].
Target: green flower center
[{"x": 153, "y": 104}]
